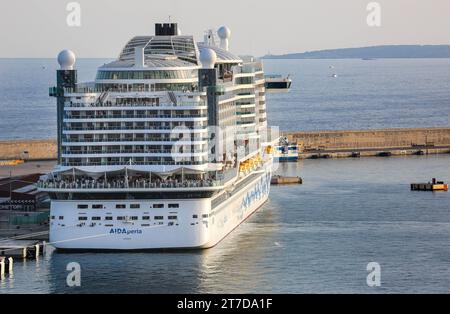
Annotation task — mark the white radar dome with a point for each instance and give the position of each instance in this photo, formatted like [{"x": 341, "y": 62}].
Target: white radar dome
[
  {"x": 224, "y": 32},
  {"x": 66, "y": 59},
  {"x": 208, "y": 58}
]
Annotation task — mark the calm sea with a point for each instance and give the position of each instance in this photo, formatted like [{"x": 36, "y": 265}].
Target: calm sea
[
  {"x": 366, "y": 94},
  {"x": 316, "y": 237}
]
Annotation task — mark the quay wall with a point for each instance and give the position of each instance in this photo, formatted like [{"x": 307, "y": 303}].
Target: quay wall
[
  {"x": 308, "y": 141},
  {"x": 370, "y": 139},
  {"x": 28, "y": 149}
]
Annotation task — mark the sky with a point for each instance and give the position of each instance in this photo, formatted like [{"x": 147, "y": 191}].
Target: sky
[{"x": 38, "y": 28}]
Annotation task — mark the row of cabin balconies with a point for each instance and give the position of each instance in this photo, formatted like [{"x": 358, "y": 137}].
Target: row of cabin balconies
[
  {"x": 124, "y": 161},
  {"x": 132, "y": 138},
  {"x": 183, "y": 87},
  {"x": 123, "y": 126},
  {"x": 90, "y": 150},
  {"x": 74, "y": 104},
  {"x": 138, "y": 114}
]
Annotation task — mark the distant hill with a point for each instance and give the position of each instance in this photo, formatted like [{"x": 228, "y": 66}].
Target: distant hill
[{"x": 375, "y": 52}]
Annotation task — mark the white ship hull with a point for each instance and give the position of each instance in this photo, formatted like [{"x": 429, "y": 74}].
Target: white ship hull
[{"x": 185, "y": 232}]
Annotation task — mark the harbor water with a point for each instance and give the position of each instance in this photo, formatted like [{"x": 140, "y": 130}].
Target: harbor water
[
  {"x": 316, "y": 237},
  {"x": 365, "y": 95}
]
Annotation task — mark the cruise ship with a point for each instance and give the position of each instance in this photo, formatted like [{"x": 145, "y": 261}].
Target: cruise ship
[{"x": 168, "y": 148}]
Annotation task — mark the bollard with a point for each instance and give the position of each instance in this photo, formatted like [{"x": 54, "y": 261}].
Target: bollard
[
  {"x": 2, "y": 267},
  {"x": 37, "y": 250},
  {"x": 24, "y": 252},
  {"x": 10, "y": 266}
]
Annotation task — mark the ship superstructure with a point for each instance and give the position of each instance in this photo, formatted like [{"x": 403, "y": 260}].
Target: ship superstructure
[{"x": 167, "y": 148}]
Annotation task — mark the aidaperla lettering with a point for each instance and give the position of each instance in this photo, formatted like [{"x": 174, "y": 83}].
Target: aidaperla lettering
[{"x": 125, "y": 231}]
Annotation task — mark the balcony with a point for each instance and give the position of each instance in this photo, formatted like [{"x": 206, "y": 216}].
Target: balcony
[
  {"x": 123, "y": 184},
  {"x": 138, "y": 116},
  {"x": 66, "y": 142}
]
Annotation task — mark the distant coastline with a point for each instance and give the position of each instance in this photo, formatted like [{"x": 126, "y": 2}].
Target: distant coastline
[{"x": 374, "y": 52}]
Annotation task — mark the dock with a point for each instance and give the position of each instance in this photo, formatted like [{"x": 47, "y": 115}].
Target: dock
[
  {"x": 277, "y": 179},
  {"x": 11, "y": 250},
  {"x": 371, "y": 142},
  {"x": 21, "y": 248}
]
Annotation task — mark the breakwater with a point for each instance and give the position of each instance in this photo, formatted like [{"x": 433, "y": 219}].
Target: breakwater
[
  {"x": 28, "y": 149},
  {"x": 346, "y": 143},
  {"x": 376, "y": 142}
]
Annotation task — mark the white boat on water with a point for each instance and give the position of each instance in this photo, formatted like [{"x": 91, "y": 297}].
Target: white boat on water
[{"x": 278, "y": 83}]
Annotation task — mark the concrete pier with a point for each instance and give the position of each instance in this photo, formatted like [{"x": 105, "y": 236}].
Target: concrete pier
[
  {"x": 347, "y": 143},
  {"x": 285, "y": 180},
  {"x": 21, "y": 249},
  {"x": 381, "y": 142},
  {"x": 28, "y": 149}
]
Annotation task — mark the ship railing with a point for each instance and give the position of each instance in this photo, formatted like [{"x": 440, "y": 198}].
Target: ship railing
[
  {"x": 69, "y": 116},
  {"x": 94, "y": 140},
  {"x": 150, "y": 128},
  {"x": 138, "y": 104},
  {"x": 61, "y": 184},
  {"x": 126, "y": 163},
  {"x": 125, "y": 151},
  {"x": 98, "y": 90}
]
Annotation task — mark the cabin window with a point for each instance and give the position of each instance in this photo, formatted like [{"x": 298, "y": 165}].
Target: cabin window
[
  {"x": 135, "y": 206},
  {"x": 159, "y": 217},
  {"x": 53, "y": 217},
  {"x": 145, "y": 217},
  {"x": 121, "y": 206},
  {"x": 82, "y": 206},
  {"x": 97, "y": 206},
  {"x": 120, "y": 218},
  {"x": 174, "y": 205},
  {"x": 158, "y": 205},
  {"x": 82, "y": 218},
  {"x": 134, "y": 217},
  {"x": 96, "y": 218},
  {"x": 108, "y": 218},
  {"x": 173, "y": 217},
  {"x": 195, "y": 216},
  {"x": 61, "y": 217}
]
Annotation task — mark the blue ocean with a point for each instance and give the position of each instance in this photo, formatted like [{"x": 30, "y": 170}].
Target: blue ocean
[
  {"x": 312, "y": 238},
  {"x": 365, "y": 94}
]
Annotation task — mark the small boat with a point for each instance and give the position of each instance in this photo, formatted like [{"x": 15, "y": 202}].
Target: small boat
[
  {"x": 434, "y": 185},
  {"x": 278, "y": 83},
  {"x": 286, "y": 151}
]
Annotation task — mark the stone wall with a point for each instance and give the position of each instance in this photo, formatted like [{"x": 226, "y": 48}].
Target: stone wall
[
  {"x": 37, "y": 149},
  {"x": 353, "y": 139},
  {"x": 383, "y": 138}
]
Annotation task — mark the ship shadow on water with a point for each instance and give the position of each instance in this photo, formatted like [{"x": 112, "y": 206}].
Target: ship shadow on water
[{"x": 230, "y": 266}]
